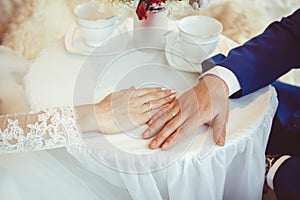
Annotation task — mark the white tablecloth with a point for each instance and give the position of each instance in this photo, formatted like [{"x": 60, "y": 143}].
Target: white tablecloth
[{"x": 195, "y": 169}]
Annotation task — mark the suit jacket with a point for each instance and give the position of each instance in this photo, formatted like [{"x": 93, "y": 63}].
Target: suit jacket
[{"x": 263, "y": 59}]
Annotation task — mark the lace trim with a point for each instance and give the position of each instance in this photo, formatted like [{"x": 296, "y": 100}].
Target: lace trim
[
  {"x": 71, "y": 127},
  {"x": 52, "y": 129}
]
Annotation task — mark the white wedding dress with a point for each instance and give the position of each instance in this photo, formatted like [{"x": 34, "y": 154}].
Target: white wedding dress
[{"x": 29, "y": 170}]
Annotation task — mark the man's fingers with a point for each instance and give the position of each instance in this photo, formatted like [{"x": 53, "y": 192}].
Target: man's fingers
[
  {"x": 219, "y": 129},
  {"x": 167, "y": 130},
  {"x": 158, "y": 120}
]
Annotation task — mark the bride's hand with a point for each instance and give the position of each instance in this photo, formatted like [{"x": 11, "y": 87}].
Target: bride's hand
[{"x": 123, "y": 110}]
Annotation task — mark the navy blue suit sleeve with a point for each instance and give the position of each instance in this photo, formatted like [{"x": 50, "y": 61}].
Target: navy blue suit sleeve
[
  {"x": 287, "y": 179},
  {"x": 266, "y": 57}
]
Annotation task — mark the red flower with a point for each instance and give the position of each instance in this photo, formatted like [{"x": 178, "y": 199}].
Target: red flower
[
  {"x": 147, "y": 5},
  {"x": 157, "y": 1},
  {"x": 141, "y": 11}
]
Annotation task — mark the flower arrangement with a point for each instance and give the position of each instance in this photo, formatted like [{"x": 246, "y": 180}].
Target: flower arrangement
[
  {"x": 174, "y": 7},
  {"x": 149, "y": 5}
]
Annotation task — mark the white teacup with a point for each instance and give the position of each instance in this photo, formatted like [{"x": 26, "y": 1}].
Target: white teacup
[
  {"x": 199, "y": 36},
  {"x": 94, "y": 25}
]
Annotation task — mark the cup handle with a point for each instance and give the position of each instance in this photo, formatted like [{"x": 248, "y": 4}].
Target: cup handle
[{"x": 172, "y": 37}]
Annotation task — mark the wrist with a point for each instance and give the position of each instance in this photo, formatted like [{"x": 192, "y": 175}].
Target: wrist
[
  {"x": 227, "y": 76},
  {"x": 86, "y": 118},
  {"x": 215, "y": 85}
]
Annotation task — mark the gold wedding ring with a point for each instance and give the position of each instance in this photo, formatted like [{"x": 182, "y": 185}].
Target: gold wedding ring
[
  {"x": 172, "y": 113},
  {"x": 149, "y": 106}
]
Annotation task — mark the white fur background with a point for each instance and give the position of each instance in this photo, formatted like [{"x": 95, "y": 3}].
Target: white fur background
[{"x": 28, "y": 26}]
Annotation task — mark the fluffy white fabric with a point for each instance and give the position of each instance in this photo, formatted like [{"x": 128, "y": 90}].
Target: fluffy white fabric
[
  {"x": 27, "y": 27},
  {"x": 13, "y": 68},
  {"x": 35, "y": 24},
  {"x": 7, "y": 7},
  {"x": 244, "y": 19}
]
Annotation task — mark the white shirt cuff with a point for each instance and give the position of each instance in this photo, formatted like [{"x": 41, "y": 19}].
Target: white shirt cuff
[
  {"x": 273, "y": 169},
  {"x": 228, "y": 77}
]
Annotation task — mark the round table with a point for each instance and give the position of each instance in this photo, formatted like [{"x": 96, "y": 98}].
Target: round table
[{"x": 195, "y": 169}]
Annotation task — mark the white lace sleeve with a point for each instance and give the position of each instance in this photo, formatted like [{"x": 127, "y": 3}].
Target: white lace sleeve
[{"x": 47, "y": 129}]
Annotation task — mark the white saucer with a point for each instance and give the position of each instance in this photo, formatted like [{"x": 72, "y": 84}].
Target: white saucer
[
  {"x": 115, "y": 44},
  {"x": 176, "y": 59}
]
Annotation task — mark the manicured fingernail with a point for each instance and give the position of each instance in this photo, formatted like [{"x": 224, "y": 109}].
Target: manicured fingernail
[
  {"x": 165, "y": 144},
  {"x": 172, "y": 96},
  {"x": 153, "y": 143},
  {"x": 173, "y": 91},
  {"x": 163, "y": 88},
  {"x": 150, "y": 122}
]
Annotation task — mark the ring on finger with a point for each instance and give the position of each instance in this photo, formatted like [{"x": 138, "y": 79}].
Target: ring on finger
[
  {"x": 149, "y": 106},
  {"x": 172, "y": 113}
]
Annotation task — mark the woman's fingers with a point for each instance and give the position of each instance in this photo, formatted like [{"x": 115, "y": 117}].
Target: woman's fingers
[
  {"x": 143, "y": 91},
  {"x": 142, "y": 108},
  {"x": 152, "y": 95},
  {"x": 138, "y": 97},
  {"x": 155, "y": 104}
]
